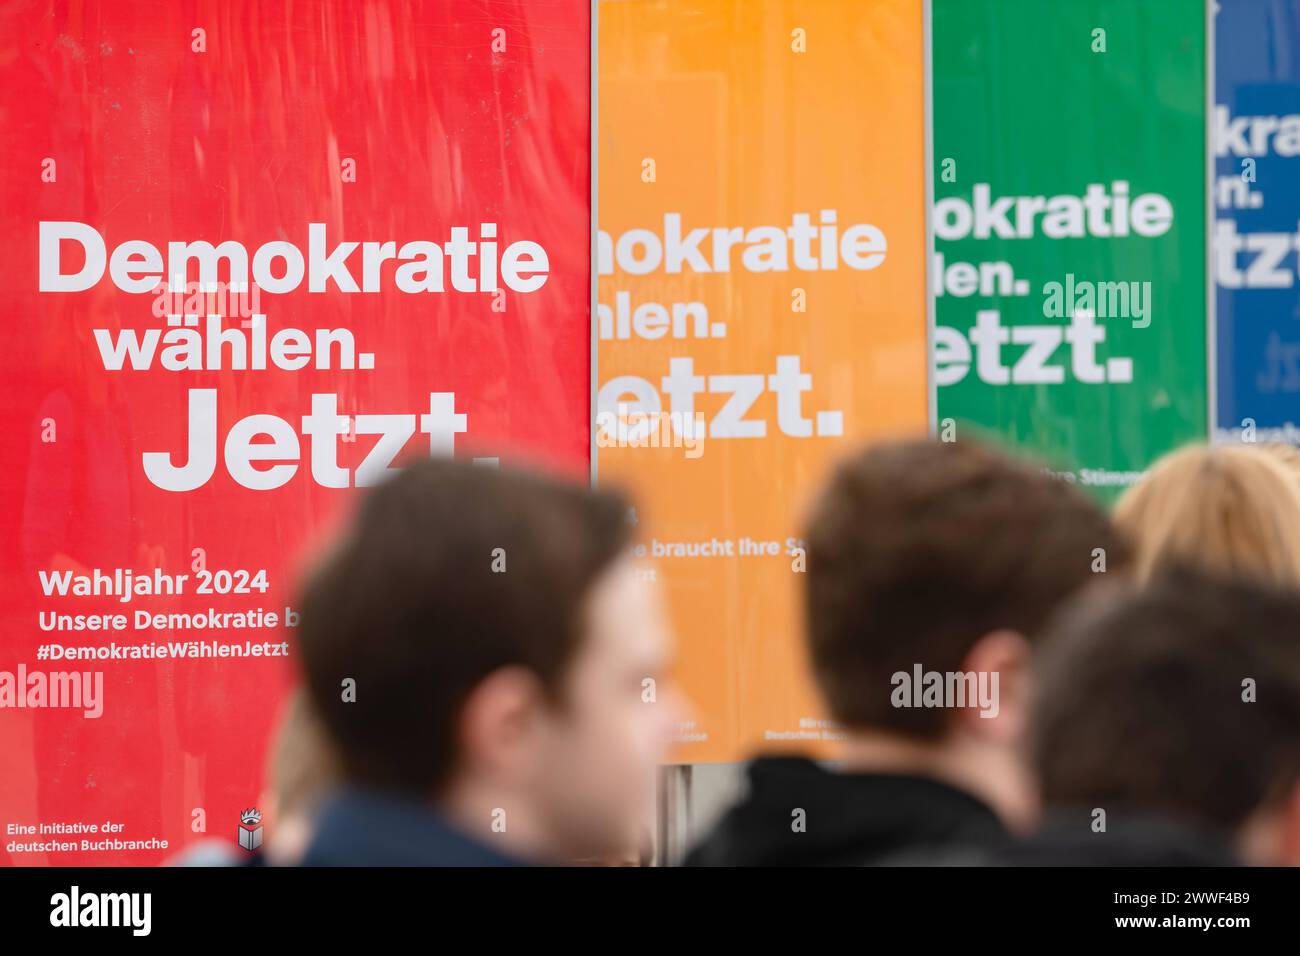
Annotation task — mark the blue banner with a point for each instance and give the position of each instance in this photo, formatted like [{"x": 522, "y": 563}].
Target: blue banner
[{"x": 1256, "y": 130}]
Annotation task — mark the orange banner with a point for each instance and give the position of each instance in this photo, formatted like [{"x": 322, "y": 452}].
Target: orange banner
[{"x": 762, "y": 308}]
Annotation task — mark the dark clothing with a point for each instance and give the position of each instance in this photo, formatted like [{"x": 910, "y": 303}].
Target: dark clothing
[
  {"x": 851, "y": 819},
  {"x": 1129, "y": 840},
  {"x": 366, "y": 828}
]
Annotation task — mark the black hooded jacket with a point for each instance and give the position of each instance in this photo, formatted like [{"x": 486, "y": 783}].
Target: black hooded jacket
[{"x": 849, "y": 819}]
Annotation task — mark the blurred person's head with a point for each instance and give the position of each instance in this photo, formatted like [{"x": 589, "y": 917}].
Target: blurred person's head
[
  {"x": 1180, "y": 701},
  {"x": 933, "y": 558},
  {"x": 302, "y": 769},
  {"x": 498, "y": 638},
  {"x": 1229, "y": 508}
]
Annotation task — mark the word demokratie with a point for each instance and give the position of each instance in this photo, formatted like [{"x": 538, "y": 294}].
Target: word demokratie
[{"x": 279, "y": 266}]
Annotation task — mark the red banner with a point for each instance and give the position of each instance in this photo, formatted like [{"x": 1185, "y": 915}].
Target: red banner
[{"x": 253, "y": 254}]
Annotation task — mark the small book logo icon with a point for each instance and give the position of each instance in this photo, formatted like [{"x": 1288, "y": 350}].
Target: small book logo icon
[{"x": 250, "y": 829}]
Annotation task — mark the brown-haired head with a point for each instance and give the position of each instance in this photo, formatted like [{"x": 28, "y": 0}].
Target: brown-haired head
[
  {"x": 1179, "y": 699},
  {"x": 449, "y": 572},
  {"x": 917, "y": 550}
]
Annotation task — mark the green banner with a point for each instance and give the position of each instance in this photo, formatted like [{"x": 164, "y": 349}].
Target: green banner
[{"x": 1070, "y": 229}]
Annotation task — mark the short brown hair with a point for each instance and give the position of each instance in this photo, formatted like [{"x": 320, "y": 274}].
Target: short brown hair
[
  {"x": 449, "y": 572},
  {"x": 917, "y": 549},
  {"x": 1141, "y": 702}
]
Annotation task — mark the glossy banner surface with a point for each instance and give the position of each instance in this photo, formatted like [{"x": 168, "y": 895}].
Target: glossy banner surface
[
  {"x": 762, "y": 310},
  {"x": 391, "y": 202},
  {"x": 1070, "y": 229},
  {"x": 1257, "y": 213}
]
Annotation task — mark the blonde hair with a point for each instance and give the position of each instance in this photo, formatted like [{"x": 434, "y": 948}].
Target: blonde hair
[{"x": 1231, "y": 509}]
